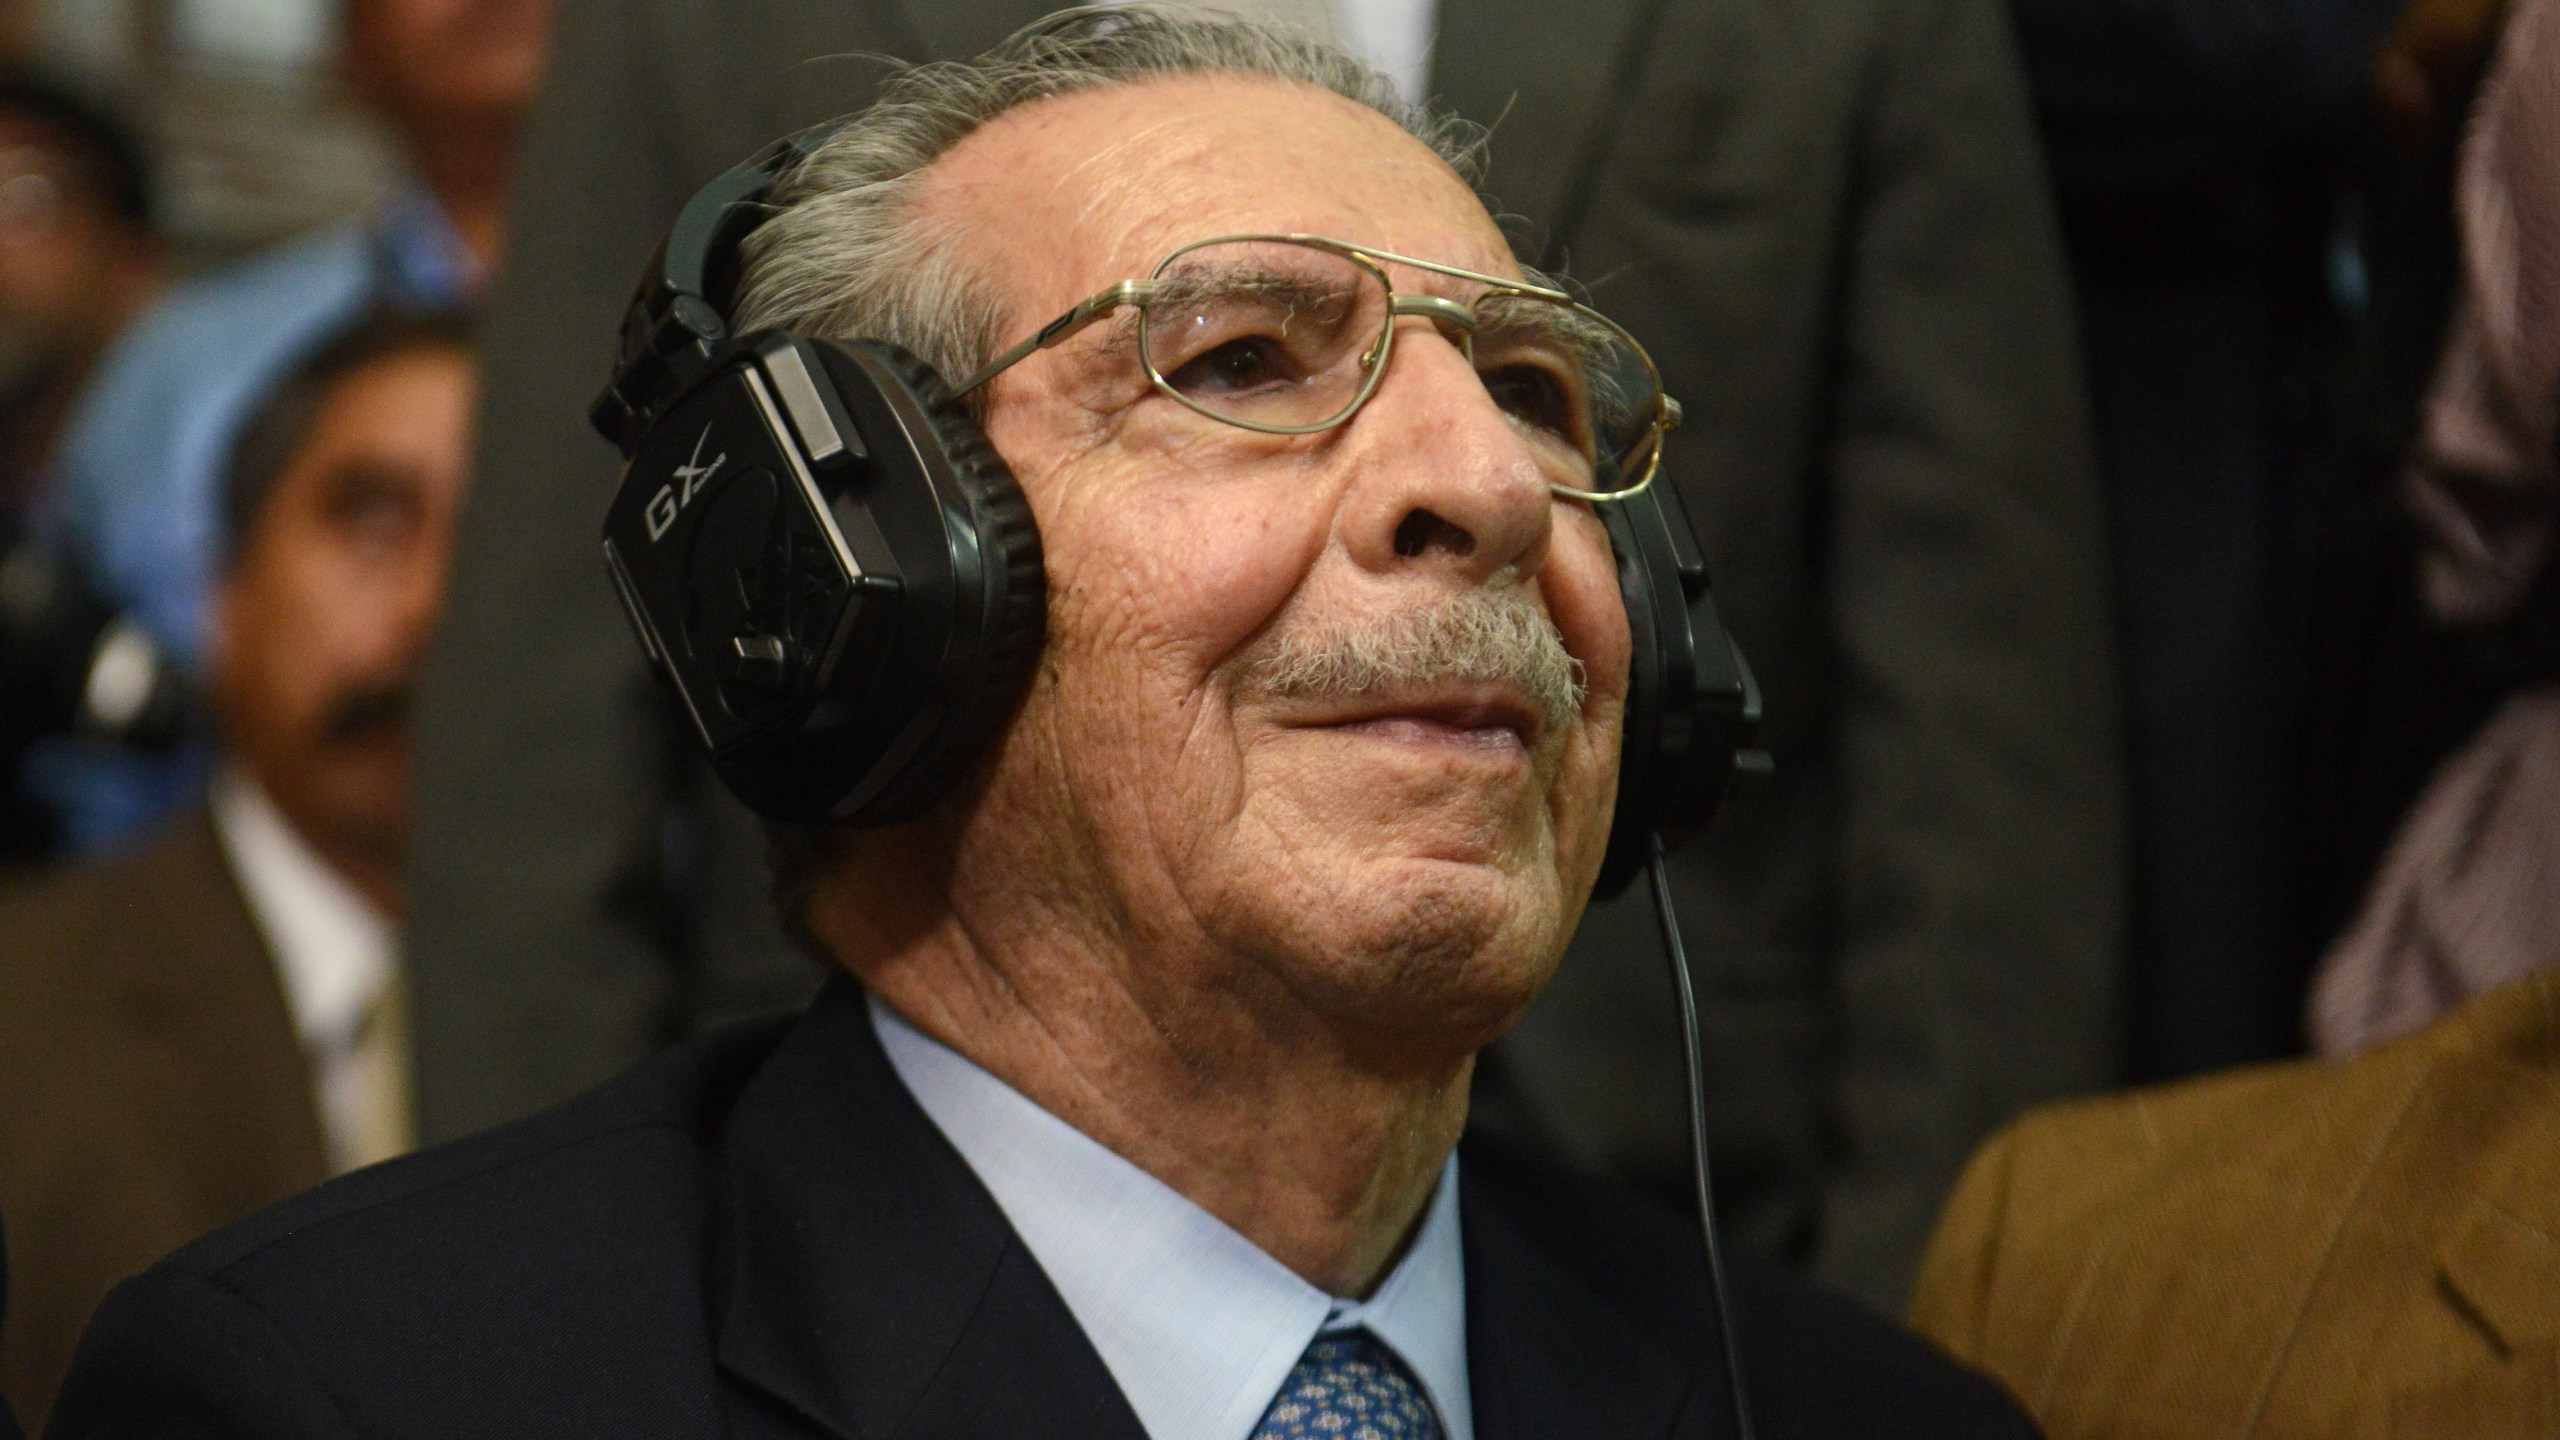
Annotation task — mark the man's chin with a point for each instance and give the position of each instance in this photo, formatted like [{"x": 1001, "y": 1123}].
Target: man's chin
[{"x": 1415, "y": 943}]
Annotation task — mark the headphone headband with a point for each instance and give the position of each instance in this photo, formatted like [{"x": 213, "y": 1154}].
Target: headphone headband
[{"x": 675, "y": 328}]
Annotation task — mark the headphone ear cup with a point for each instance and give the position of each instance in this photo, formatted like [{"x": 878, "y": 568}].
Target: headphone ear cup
[
  {"x": 1656, "y": 632},
  {"x": 1693, "y": 709},
  {"x": 997, "y": 640}
]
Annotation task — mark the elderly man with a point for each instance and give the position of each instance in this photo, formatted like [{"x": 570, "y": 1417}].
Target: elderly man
[
  {"x": 1830, "y": 224},
  {"x": 1140, "y": 1119}
]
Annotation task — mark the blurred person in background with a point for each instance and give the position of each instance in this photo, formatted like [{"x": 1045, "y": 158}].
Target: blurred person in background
[
  {"x": 79, "y": 258},
  {"x": 204, "y": 1027},
  {"x": 2468, "y": 896},
  {"x": 2365, "y": 1245},
  {"x": 2202, "y": 153},
  {"x": 2394, "y": 689},
  {"x": 139, "y": 473},
  {"x": 1829, "y": 223}
]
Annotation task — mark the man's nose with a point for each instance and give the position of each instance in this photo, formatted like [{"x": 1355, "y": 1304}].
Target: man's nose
[{"x": 1442, "y": 478}]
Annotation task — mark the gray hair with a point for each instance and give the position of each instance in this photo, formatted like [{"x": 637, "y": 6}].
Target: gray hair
[{"x": 846, "y": 255}]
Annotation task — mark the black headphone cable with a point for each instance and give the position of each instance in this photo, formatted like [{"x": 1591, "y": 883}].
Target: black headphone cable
[{"x": 1690, "y": 1044}]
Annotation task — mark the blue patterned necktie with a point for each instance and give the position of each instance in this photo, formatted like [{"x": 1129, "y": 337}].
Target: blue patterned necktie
[{"x": 1349, "y": 1386}]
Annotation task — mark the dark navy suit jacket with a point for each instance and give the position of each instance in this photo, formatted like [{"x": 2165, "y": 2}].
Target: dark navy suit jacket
[{"x": 763, "y": 1235}]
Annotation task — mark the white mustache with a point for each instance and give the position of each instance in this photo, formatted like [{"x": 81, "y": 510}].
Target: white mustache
[{"x": 1486, "y": 635}]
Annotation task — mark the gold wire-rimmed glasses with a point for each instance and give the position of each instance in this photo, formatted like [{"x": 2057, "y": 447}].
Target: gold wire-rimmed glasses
[{"x": 1291, "y": 334}]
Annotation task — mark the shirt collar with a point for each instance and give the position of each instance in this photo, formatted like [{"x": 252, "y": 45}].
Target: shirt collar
[
  {"x": 333, "y": 951},
  {"x": 1197, "y": 1325}
]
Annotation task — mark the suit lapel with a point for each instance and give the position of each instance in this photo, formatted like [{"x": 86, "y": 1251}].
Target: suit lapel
[
  {"x": 2505, "y": 1272},
  {"x": 2501, "y": 1251},
  {"x": 1546, "y": 1356},
  {"x": 866, "y": 1280},
  {"x": 1546, "y": 76},
  {"x": 200, "y": 998},
  {"x": 2499, "y": 1266},
  {"x": 2473, "y": 1178}
]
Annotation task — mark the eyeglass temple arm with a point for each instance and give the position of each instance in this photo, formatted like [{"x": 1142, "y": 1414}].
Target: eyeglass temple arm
[
  {"x": 1127, "y": 292},
  {"x": 1432, "y": 307}
]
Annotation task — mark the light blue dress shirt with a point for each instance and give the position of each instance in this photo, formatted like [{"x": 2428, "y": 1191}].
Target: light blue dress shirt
[{"x": 1197, "y": 1325}]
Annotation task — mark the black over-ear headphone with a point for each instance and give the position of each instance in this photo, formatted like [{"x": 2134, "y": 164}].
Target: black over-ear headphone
[{"x": 822, "y": 552}]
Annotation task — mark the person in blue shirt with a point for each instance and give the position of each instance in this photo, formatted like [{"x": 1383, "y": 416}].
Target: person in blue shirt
[{"x": 136, "y": 481}]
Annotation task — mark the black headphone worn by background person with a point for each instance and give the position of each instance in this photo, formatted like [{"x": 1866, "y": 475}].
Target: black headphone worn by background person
[{"x": 842, "y": 580}]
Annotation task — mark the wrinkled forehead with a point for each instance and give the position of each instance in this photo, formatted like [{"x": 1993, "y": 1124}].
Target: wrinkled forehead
[{"x": 1062, "y": 197}]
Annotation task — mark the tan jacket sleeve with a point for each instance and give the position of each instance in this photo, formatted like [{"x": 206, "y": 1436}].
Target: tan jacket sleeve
[{"x": 1950, "y": 1302}]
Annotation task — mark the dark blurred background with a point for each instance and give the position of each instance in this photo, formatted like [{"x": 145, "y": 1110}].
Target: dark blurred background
[{"x": 254, "y": 134}]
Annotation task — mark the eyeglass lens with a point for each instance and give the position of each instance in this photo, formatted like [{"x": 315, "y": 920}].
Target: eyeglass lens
[
  {"x": 1266, "y": 333},
  {"x": 1282, "y": 336}
]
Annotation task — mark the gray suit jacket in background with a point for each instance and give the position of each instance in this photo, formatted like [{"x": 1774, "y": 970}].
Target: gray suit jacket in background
[{"x": 1828, "y": 221}]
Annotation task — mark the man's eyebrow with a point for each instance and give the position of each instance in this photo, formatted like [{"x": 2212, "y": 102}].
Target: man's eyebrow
[
  {"x": 1191, "y": 281},
  {"x": 1538, "y": 319},
  {"x": 1189, "y": 287}
]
